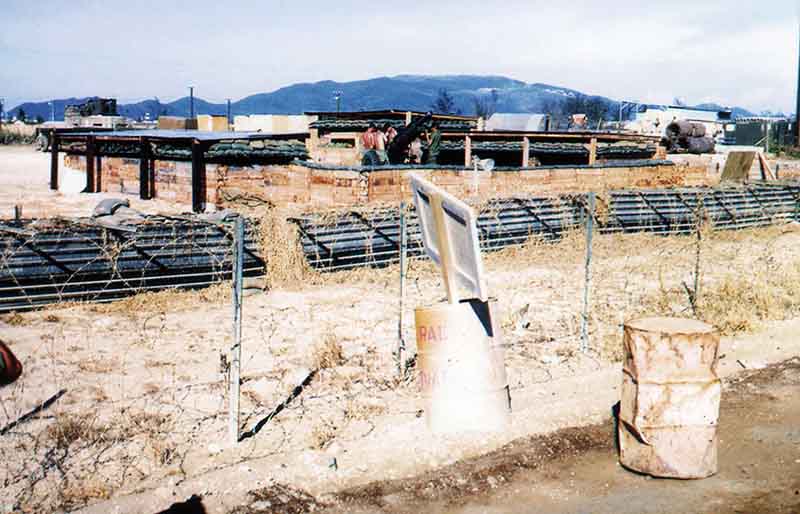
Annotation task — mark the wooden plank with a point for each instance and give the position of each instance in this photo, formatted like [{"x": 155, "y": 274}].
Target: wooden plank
[
  {"x": 54, "y": 162},
  {"x": 737, "y": 166},
  {"x": 467, "y": 152},
  {"x": 592, "y": 151},
  {"x": 766, "y": 171},
  {"x": 144, "y": 169},
  {"x": 198, "y": 177},
  {"x": 526, "y": 152}
]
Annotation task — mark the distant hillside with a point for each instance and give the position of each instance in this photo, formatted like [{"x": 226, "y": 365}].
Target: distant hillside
[{"x": 411, "y": 92}]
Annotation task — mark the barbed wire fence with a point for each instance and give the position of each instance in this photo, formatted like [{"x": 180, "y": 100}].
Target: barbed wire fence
[{"x": 305, "y": 381}]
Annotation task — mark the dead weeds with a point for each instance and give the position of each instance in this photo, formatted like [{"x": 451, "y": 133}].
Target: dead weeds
[{"x": 327, "y": 353}]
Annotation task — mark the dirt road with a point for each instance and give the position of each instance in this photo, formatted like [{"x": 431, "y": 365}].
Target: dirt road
[{"x": 576, "y": 470}]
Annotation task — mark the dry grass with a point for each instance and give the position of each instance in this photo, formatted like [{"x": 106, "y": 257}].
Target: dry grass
[
  {"x": 284, "y": 261},
  {"x": 364, "y": 409},
  {"x": 14, "y": 319},
  {"x": 76, "y": 495},
  {"x": 98, "y": 365},
  {"x": 169, "y": 300},
  {"x": 323, "y": 433},
  {"x": 327, "y": 353},
  {"x": 70, "y": 429}
]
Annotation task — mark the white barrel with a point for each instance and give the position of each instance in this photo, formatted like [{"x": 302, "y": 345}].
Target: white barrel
[
  {"x": 670, "y": 398},
  {"x": 462, "y": 373}
]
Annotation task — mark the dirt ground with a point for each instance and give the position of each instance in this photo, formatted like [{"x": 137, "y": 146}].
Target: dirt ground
[
  {"x": 576, "y": 470},
  {"x": 24, "y": 179},
  {"x": 142, "y": 422}
]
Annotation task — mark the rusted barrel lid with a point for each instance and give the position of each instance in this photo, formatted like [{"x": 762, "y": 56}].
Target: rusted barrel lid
[{"x": 668, "y": 325}]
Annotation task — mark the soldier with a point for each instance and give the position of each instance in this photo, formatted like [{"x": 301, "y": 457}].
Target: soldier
[{"x": 434, "y": 143}]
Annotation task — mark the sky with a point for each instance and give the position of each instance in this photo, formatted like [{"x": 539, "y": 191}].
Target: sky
[{"x": 736, "y": 53}]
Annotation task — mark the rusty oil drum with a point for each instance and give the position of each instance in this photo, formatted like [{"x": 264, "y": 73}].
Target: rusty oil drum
[
  {"x": 669, "y": 405},
  {"x": 461, "y": 363}
]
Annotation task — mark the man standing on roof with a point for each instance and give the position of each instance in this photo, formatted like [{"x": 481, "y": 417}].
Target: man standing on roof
[
  {"x": 434, "y": 143},
  {"x": 369, "y": 146}
]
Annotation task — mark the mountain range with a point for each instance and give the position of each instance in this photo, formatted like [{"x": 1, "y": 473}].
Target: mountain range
[{"x": 402, "y": 92}]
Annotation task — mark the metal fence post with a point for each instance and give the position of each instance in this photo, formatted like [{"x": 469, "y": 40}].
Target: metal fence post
[
  {"x": 401, "y": 342},
  {"x": 236, "y": 350},
  {"x": 590, "y": 202}
]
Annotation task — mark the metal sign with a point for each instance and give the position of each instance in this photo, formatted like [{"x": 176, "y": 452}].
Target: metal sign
[{"x": 450, "y": 236}]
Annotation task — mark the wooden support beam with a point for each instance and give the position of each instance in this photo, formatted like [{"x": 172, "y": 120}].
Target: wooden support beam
[
  {"x": 526, "y": 152},
  {"x": 144, "y": 169},
  {"x": 98, "y": 168},
  {"x": 198, "y": 176},
  {"x": 54, "y": 162},
  {"x": 467, "y": 152},
  {"x": 592, "y": 151},
  {"x": 91, "y": 186},
  {"x": 152, "y": 171}
]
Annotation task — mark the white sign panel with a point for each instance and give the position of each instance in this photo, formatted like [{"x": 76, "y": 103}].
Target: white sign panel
[{"x": 450, "y": 235}]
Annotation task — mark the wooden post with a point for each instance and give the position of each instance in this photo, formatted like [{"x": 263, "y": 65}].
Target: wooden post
[
  {"x": 467, "y": 151},
  {"x": 401, "y": 342},
  {"x": 236, "y": 350},
  {"x": 98, "y": 168},
  {"x": 198, "y": 177},
  {"x": 592, "y": 151},
  {"x": 152, "y": 179},
  {"x": 54, "y": 162},
  {"x": 526, "y": 151},
  {"x": 590, "y": 201},
  {"x": 90, "y": 171},
  {"x": 144, "y": 169}
]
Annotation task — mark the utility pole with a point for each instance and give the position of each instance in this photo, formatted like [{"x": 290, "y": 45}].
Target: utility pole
[
  {"x": 191, "y": 102},
  {"x": 797, "y": 109},
  {"x": 337, "y": 95},
  {"x": 229, "y": 112}
]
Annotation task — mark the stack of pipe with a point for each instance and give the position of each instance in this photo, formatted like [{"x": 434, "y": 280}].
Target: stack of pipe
[{"x": 688, "y": 137}]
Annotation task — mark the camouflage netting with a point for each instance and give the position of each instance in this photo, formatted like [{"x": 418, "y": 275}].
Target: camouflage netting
[
  {"x": 118, "y": 148},
  {"x": 72, "y": 146}
]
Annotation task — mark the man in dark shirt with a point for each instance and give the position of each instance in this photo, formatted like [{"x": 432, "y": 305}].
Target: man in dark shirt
[{"x": 434, "y": 143}]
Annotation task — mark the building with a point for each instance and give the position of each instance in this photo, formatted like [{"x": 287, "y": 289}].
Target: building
[
  {"x": 653, "y": 119},
  {"x": 212, "y": 123},
  {"x": 272, "y": 123}
]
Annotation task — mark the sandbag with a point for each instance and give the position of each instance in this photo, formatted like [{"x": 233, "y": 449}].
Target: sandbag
[
  {"x": 700, "y": 145},
  {"x": 698, "y": 130},
  {"x": 682, "y": 129},
  {"x": 10, "y": 367}
]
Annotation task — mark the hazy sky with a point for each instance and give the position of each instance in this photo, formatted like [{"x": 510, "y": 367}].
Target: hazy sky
[{"x": 735, "y": 52}]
